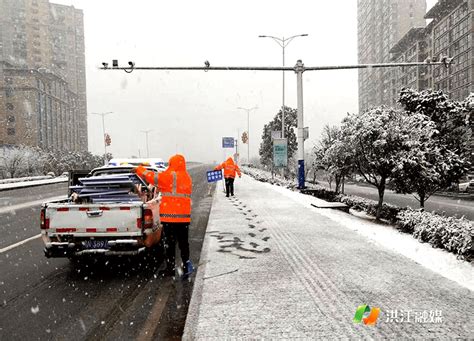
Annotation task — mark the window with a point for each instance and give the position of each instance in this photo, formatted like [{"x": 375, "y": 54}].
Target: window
[
  {"x": 10, "y": 106},
  {"x": 11, "y": 131},
  {"x": 10, "y": 119}
]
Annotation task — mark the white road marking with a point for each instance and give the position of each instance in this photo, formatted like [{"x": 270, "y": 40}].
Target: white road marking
[
  {"x": 11, "y": 208},
  {"x": 8, "y": 248}
]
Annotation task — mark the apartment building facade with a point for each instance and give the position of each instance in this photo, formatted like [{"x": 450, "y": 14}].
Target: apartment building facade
[
  {"x": 450, "y": 33},
  {"x": 42, "y": 75},
  {"x": 382, "y": 23}
]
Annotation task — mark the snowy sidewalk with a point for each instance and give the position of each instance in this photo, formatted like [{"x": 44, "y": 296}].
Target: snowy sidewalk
[{"x": 272, "y": 266}]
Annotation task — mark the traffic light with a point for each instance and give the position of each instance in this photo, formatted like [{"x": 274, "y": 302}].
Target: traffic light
[
  {"x": 108, "y": 140},
  {"x": 245, "y": 137}
]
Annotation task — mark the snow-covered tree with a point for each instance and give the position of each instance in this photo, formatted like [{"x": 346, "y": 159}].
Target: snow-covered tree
[
  {"x": 14, "y": 161},
  {"x": 334, "y": 154},
  {"x": 266, "y": 147},
  {"x": 450, "y": 117},
  {"x": 26, "y": 161},
  {"x": 381, "y": 139},
  {"x": 443, "y": 159}
]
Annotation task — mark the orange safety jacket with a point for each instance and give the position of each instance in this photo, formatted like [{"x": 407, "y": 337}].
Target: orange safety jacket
[
  {"x": 175, "y": 186},
  {"x": 230, "y": 168}
]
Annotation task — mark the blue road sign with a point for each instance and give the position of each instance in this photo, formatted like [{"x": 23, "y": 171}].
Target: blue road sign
[
  {"x": 227, "y": 142},
  {"x": 213, "y": 176}
]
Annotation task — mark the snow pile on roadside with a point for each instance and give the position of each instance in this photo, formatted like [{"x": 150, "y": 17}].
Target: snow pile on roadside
[{"x": 266, "y": 176}]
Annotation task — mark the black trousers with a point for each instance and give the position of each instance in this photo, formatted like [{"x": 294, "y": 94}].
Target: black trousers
[
  {"x": 229, "y": 186},
  {"x": 176, "y": 232}
]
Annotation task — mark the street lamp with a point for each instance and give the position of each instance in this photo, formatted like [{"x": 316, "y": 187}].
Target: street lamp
[
  {"x": 103, "y": 114},
  {"x": 146, "y": 134},
  {"x": 283, "y": 42},
  {"x": 248, "y": 110}
]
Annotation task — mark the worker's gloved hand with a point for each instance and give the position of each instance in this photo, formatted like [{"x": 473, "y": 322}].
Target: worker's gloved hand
[{"x": 134, "y": 170}]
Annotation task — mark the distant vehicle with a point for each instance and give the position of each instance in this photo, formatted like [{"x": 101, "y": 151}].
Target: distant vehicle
[
  {"x": 152, "y": 162},
  {"x": 464, "y": 186},
  {"x": 102, "y": 226}
]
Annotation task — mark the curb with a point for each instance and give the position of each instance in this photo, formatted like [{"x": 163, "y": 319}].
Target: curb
[{"x": 192, "y": 317}]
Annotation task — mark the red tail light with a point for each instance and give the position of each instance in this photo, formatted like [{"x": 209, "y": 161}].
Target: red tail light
[
  {"x": 147, "y": 219},
  {"x": 44, "y": 220}
]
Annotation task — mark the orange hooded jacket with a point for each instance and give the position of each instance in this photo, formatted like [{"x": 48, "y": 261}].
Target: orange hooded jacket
[
  {"x": 175, "y": 186},
  {"x": 230, "y": 168}
]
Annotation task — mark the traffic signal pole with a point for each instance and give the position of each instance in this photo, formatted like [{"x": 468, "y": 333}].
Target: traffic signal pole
[
  {"x": 299, "y": 68},
  {"x": 103, "y": 114}
]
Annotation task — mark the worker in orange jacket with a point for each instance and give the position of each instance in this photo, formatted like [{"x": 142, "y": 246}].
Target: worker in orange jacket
[
  {"x": 175, "y": 186},
  {"x": 230, "y": 169}
]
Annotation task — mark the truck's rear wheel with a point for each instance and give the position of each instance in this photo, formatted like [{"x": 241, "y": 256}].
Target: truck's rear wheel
[{"x": 155, "y": 253}]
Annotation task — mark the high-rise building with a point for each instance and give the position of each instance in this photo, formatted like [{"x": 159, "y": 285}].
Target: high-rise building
[
  {"x": 449, "y": 34},
  {"x": 413, "y": 47},
  {"x": 67, "y": 31},
  {"x": 380, "y": 24},
  {"x": 452, "y": 33},
  {"x": 42, "y": 75}
]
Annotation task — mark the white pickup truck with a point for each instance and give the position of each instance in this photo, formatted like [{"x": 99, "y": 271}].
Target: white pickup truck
[{"x": 73, "y": 228}]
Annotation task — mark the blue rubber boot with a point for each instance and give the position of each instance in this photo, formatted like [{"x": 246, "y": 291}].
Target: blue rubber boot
[{"x": 188, "y": 268}]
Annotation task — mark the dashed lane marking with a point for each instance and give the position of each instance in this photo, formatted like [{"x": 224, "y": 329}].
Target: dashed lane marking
[{"x": 11, "y": 247}]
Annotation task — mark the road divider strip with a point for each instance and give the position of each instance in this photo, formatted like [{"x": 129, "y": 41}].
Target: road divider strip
[
  {"x": 24, "y": 184},
  {"x": 11, "y": 247}
]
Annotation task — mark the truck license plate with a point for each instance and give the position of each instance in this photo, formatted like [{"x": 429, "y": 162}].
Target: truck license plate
[{"x": 95, "y": 244}]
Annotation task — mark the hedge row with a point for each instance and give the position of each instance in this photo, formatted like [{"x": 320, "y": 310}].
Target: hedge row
[{"x": 454, "y": 235}]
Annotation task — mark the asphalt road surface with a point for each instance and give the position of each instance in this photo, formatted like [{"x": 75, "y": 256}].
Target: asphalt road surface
[
  {"x": 450, "y": 206},
  {"x": 113, "y": 299}
]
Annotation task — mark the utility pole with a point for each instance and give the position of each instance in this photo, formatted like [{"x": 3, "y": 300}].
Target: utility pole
[
  {"x": 103, "y": 114},
  {"x": 146, "y": 134},
  {"x": 283, "y": 42}
]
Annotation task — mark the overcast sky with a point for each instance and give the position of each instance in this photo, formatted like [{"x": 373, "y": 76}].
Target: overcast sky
[{"x": 190, "y": 112}]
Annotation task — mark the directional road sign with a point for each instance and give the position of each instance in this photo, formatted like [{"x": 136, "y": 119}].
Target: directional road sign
[{"x": 227, "y": 142}]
